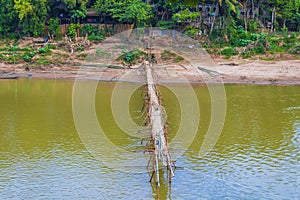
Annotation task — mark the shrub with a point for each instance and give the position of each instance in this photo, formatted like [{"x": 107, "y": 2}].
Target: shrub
[
  {"x": 96, "y": 38},
  {"x": 253, "y": 25},
  {"x": 167, "y": 56},
  {"x": 44, "y": 50},
  {"x": 89, "y": 29},
  {"x": 228, "y": 52},
  {"x": 244, "y": 42},
  {"x": 259, "y": 50},
  {"x": 132, "y": 57},
  {"x": 72, "y": 30},
  {"x": 166, "y": 24},
  {"x": 53, "y": 26},
  {"x": 28, "y": 56},
  {"x": 80, "y": 49},
  {"x": 247, "y": 54},
  {"x": 191, "y": 31}
]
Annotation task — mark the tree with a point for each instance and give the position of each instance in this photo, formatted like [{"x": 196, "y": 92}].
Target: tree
[
  {"x": 32, "y": 15},
  {"x": 125, "y": 11},
  {"x": 186, "y": 17},
  {"x": 53, "y": 27},
  {"x": 8, "y": 17},
  {"x": 77, "y": 9}
]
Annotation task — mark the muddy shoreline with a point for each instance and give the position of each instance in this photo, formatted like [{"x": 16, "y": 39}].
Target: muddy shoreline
[{"x": 224, "y": 72}]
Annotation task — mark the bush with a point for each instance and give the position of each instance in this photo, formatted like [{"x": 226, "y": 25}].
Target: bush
[
  {"x": 96, "y": 38},
  {"x": 72, "y": 30},
  {"x": 191, "y": 31},
  {"x": 259, "y": 50},
  {"x": 80, "y": 49},
  {"x": 170, "y": 56},
  {"x": 253, "y": 25},
  {"x": 28, "y": 56},
  {"x": 44, "y": 50},
  {"x": 247, "y": 54},
  {"x": 228, "y": 52},
  {"x": 42, "y": 61},
  {"x": 295, "y": 50},
  {"x": 53, "y": 26},
  {"x": 243, "y": 42},
  {"x": 166, "y": 24},
  {"x": 132, "y": 57},
  {"x": 89, "y": 29}
]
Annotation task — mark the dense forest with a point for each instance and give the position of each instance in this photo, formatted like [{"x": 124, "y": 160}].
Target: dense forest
[
  {"x": 225, "y": 24},
  {"x": 29, "y": 17}
]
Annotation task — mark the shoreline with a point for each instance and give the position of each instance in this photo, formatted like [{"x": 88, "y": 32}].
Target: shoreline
[{"x": 257, "y": 72}]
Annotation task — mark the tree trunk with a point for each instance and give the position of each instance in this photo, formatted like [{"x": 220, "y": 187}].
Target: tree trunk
[
  {"x": 253, "y": 12},
  {"x": 245, "y": 15},
  {"x": 273, "y": 19},
  {"x": 214, "y": 19},
  {"x": 257, "y": 13}
]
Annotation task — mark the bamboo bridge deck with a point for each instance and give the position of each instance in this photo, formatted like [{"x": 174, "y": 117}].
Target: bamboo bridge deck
[{"x": 160, "y": 156}]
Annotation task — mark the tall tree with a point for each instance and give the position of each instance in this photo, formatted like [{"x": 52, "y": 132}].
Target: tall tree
[
  {"x": 126, "y": 11},
  {"x": 32, "y": 15},
  {"x": 8, "y": 17}
]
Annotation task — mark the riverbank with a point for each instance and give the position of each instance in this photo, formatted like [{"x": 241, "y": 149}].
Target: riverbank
[{"x": 240, "y": 72}]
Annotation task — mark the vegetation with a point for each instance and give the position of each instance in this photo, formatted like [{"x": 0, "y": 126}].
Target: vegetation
[
  {"x": 130, "y": 58},
  {"x": 171, "y": 56},
  {"x": 242, "y": 28}
]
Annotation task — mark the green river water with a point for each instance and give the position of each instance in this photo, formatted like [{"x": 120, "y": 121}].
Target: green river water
[{"x": 42, "y": 156}]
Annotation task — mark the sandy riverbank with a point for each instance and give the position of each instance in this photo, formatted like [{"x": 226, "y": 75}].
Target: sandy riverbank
[{"x": 242, "y": 72}]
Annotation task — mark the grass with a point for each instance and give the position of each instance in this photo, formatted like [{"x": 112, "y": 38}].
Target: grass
[{"x": 167, "y": 55}]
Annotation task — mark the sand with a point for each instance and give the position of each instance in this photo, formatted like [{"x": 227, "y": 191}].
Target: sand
[{"x": 241, "y": 72}]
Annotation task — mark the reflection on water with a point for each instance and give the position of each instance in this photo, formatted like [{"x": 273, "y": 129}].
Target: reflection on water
[{"x": 41, "y": 155}]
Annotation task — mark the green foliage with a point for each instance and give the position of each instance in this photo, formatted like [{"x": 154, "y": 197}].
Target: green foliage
[
  {"x": 247, "y": 54},
  {"x": 295, "y": 50},
  {"x": 32, "y": 15},
  {"x": 166, "y": 24},
  {"x": 44, "y": 50},
  {"x": 8, "y": 18},
  {"x": 24, "y": 8},
  {"x": 78, "y": 14},
  {"x": 167, "y": 55},
  {"x": 228, "y": 52},
  {"x": 96, "y": 38},
  {"x": 186, "y": 16},
  {"x": 89, "y": 29},
  {"x": 253, "y": 26},
  {"x": 130, "y": 11},
  {"x": 82, "y": 56},
  {"x": 94, "y": 34},
  {"x": 80, "y": 49},
  {"x": 27, "y": 56},
  {"x": 259, "y": 49},
  {"x": 53, "y": 26},
  {"x": 72, "y": 30},
  {"x": 42, "y": 61},
  {"x": 132, "y": 57},
  {"x": 191, "y": 31}
]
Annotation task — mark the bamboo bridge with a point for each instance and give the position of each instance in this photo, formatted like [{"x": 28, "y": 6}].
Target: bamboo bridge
[{"x": 158, "y": 141}]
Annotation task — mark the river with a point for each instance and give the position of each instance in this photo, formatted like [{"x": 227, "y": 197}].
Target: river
[{"x": 257, "y": 155}]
